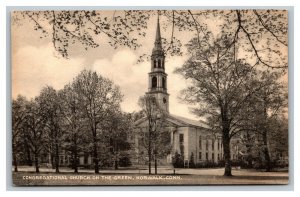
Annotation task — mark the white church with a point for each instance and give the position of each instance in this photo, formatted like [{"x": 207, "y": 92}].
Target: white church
[{"x": 188, "y": 137}]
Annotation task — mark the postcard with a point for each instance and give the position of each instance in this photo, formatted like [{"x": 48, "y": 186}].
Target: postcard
[{"x": 149, "y": 97}]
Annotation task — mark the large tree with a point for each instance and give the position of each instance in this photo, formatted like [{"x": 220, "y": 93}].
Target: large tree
[
  {"x": 18, "y": 118},
  {"x": 220, "y": 86},
  {"x": 50, "y": 108},
  {"x": 268, "y": 103},
  {"x": 156, "y": 140},
  {"x": 117, "y": 130},
  {"x": 98, "y": 96},
  {"x": 74, "y": 124},
  {"x": 34, "y": 125}
]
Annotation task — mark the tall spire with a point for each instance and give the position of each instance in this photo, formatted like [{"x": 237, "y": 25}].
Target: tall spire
[
  {"x": 157, "y": 43},
  {"x": 158, "y": 37}
]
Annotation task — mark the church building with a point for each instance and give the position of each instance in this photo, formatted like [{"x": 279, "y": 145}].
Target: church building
[{"x": 190, "y": 138}]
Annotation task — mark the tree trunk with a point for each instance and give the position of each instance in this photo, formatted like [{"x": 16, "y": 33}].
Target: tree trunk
[
  {"x": 56, "y": 158},
  {"x": 265, "y": 139},
  {"x": 155, "y": 164},
  {"x": 266, "y": 152},
  {"x": 52, "y": 157},
  {"x": 95, "y": 153},
  {"x": 28, "y": 154},
  {"x": 75, "y": 163},
  {"x": 36, "y": 161},
  {"x": 149, "y": 157},
  {"x": 75, "y": 166},
  {"x": 249, "y": 158},
  {"x": 116, "y": 165},
  {"x": 15, "y": 161},
  {"x": 226, "y": 149}
]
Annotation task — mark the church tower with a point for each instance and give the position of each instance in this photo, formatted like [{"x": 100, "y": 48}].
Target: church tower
[{"x": 157, "y": 76}]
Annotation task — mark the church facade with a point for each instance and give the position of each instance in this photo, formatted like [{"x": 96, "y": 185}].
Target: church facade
[{"x": 193, "y": 140}]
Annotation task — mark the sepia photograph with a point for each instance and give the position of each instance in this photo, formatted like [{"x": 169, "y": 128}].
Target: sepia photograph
[{"x": 149, "y": 97}]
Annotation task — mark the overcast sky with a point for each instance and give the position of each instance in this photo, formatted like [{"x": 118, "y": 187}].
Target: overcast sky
[{"x": 35, "y": 64}]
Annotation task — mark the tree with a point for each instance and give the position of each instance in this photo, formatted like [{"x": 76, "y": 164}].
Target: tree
[
  {"x": 18, "y": 118},
  {"x": 221, "y": 86},
  {"x": 35, "y": 130},
  {"x": 50, "y": 108},
  {"x": 157, "y": 139},
  {"x": 251, "y": 28},
  {"x": 74, "y": 124},
  {"x": 177, "y": 160},
  {"x": 270, "y": 102},
  {"x": 98, "y": 96},
  {"x": 117, "y": 132},
  {"x": 278, "y": 140},
  {"x": 67, "y": 28}
]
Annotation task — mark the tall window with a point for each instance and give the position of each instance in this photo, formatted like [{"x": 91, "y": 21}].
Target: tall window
[
  {"x": 213, "y": 145},
  {"x": 159, "y": 63},
  {"x": 206, "y": 156},
  {"x": 181, "y": 138},
  {"x": 181, "y": 146},
  {"x": 200, "y": 155},
  {"x": 164, "y": 82},
  {"x": 200, "y": 143},
  {"x": 154, "y": 82},
  {"x": 206, "y": 145}
]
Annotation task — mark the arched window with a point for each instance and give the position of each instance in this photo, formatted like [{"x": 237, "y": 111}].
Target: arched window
[
  {"x": 159, "y": 63},
  {"x": 164, "y": 82},
  {"x": 154, "y": 63},
  {"x": 154, "y": 82}
]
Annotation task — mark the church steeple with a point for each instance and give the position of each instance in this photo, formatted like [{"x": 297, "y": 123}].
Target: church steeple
[
  {"x": 157, "y": 76},
  {"x": 157, "y": 44}
]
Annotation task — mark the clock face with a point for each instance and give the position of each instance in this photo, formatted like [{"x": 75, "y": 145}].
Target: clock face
[{"x": 164, "y": 100}]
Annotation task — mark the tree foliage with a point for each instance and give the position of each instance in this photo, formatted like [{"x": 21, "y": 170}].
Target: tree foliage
[
  {"x": 98, "y": 98},
  {"x": 261, "y": 33},
  {"x": 222, "y": 86}
]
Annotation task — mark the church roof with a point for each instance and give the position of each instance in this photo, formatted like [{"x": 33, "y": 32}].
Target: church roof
[
  {"x": 178, "y": 121},
  {"x": 189, "y": 122}
]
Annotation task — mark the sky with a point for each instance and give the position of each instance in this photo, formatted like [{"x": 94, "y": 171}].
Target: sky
[{"x": 36, "y": 64}]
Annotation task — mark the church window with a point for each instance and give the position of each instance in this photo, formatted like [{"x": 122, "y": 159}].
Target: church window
[
  {"x": 159, "y": 63},
  {"x": 212, "y": 144},
  {"x": 154, "y": 63},
  {"x": 164, "y": 100},
  {"x": 181, "y": 138},
  {"x": 164, "y": 82},
  {"x": 206, "y": 156},
  {"x": 163, "y": 64},
  {"x": 200, "y": 155},
  {"x": 154, "y": 82},
  {"x": 206, "y": 145},
  {"x": 200, "y": 142}
]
